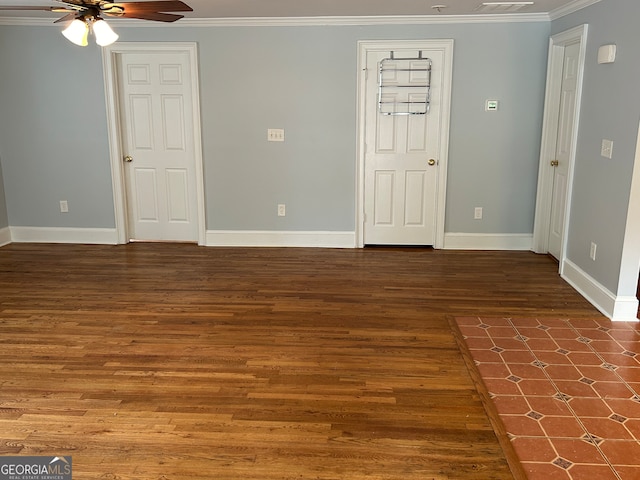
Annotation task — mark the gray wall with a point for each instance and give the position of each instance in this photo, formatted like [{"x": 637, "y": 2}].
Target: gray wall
[
  {"x": 611, "y": 110},
  {"x": 53, "y": 131},
  {"x": 302, "y": 79}
]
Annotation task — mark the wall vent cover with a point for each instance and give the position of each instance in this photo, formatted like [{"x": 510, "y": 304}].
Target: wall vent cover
[{"x": 492, "y": 7}]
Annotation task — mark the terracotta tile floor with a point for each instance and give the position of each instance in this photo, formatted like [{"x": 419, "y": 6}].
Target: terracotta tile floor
[{"x": 567, "y": 392}]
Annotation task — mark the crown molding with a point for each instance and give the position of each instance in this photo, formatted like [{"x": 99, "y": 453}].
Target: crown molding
[
  {"x": 27, "y": 21},
  {"x": 363, "y": 20},
  {"x": 306, "y": 21},
  {"x": 570, "y": 8},
  {"x": 567, "y": 9}
]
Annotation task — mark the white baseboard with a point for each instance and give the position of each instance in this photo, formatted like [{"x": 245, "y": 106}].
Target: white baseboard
[
  {"x": 488, "y": 241},
  {"x": 617, "y": 308},
  {"x": 251, "y": 238},
  {"x": 105, "y": 236},
  {"x": 5, "y": 236}
]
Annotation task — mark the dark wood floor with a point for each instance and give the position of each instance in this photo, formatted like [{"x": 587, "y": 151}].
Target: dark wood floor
[{"x": 160, "y": 361}]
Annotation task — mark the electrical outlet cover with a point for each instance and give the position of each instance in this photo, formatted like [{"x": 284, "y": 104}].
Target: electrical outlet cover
[{"x": 607, "y": 149}]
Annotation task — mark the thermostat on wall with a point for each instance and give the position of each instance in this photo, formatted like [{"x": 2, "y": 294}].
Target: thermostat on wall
[{"x": 491, "y": 105}]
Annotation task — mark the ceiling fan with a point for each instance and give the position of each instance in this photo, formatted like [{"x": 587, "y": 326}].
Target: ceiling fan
[{"x": 86, "y": 15}]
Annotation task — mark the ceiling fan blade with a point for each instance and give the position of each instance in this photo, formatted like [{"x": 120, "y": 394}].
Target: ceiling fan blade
[
  {"x": 78, "y": 3},
  {"x": 154, "y": 6},
  {"x": 67, "y": 18},
  {"x": 157, "y": 16},
  {"x": 157, "y": 10},
  {"x": 26, "y": 7}
]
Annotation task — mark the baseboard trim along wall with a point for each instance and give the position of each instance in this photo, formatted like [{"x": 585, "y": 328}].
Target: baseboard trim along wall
[
  {"x": 261, "y": 238},
  {"x": 453, "y": 241},
  {"x": 617, "y": 308},
  {"x": 488, "y": 241},
  {"x": 106, "y": 236},
  {"x": 5, "y": 236},
  {"x": 253, "y": 238}
]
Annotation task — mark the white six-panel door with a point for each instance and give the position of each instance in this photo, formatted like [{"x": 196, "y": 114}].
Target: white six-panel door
[
  {"x": 402, "y": 154},
  {"x": 563, "y": 149},
  {"x": 155, "y": 91}
]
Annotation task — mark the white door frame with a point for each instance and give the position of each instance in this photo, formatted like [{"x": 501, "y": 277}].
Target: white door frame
[
  {"x": 557, "y": 44},
  {"x": 109, "y": 60},
  {"x": 366, "y": 46},
  {"x": 626, "y": 305}
]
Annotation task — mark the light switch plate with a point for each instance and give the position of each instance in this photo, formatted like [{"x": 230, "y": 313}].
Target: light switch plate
[{"x": 275, "y": 134}]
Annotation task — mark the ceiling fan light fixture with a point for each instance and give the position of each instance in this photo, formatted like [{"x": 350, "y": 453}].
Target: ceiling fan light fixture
[
  {"x": 85, "y": 16},
  {"x": 103, "y": 32},
  {"x": 77, "y": 32}
]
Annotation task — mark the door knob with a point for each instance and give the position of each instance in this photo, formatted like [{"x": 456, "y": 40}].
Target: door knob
[
  {"x": 432, "y": 162},
  {"x": 555, "y": 163},
  {"x": 128, "y": 159}
]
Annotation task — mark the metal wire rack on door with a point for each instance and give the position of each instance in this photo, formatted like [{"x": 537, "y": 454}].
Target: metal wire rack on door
[{"x": 404, "y": 85}]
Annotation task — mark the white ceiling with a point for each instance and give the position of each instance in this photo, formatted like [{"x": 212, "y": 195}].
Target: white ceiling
[{"x": 212, "y": 9}]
